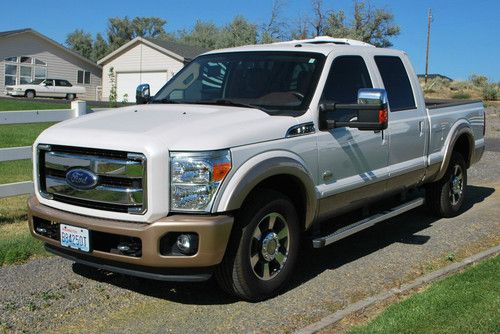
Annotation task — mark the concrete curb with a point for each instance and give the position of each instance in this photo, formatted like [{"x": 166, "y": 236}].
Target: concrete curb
[{"x": 370, "y": 301}]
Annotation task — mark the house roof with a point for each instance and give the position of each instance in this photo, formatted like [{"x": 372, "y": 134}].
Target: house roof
[
  {"x": 9, "y": 33},
  {"x": 179, "y": 51},
  {"x": 185, "y": 50}
]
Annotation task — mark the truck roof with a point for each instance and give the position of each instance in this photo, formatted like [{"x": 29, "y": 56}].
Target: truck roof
[{"x": 320, "y": 44}]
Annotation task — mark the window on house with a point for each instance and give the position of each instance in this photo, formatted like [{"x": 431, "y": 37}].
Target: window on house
[
  {"x": 25, "y": 75},
  {"x": 83, "y": 77},
  {"x": 10, "y": 74},
  {"x": 23, "y": 69}
]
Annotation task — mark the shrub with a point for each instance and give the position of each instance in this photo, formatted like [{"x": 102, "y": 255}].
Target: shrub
[
  {"x": 461, "y": 95},
  {"x": 478, "y": 80},
  {"x": 490, "y": 92}
]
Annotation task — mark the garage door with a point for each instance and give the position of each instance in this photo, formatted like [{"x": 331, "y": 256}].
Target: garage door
[{"x": 126, "y": 83}]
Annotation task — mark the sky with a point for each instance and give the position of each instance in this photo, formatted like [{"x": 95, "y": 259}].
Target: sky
[{"x": 465, "y": 35}]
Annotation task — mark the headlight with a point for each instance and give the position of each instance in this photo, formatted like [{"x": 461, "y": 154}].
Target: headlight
[{"x": 195, "y": 178}]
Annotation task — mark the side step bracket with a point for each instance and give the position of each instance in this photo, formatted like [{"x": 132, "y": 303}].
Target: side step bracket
[{"x": 366, "y": 223}]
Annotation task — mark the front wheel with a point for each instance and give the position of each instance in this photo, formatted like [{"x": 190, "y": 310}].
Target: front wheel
[
  {"x": 30, "y": 94},
  {"x": 263, "y": 248},
  {"x": 445, "y": 197},
  {"x": 70, "y": 96}
]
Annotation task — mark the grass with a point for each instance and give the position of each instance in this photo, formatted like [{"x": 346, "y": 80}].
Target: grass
[
  {"x": 16, "y": 243},
  {"x": 14, "y": 135},
  {"x": 12, "y": 105},
  {"x": 468, "y": 302}
]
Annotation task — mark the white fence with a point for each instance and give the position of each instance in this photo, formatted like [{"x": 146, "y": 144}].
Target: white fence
[{"x": 78, "y": 108}]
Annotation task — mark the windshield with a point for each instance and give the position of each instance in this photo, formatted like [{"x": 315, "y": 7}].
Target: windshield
[
  {"x": 267, "y": 80},
  {"x": 36, "y": 81}
]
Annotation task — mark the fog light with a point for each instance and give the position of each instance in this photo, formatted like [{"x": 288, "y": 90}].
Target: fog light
[{"x": 187, "y": 243}]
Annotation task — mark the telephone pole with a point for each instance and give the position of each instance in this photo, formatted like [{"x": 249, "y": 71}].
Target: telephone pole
[{"x": 429, "y": 18}]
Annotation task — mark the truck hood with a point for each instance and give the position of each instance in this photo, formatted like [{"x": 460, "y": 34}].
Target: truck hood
[{"x": 175, "y": 127}]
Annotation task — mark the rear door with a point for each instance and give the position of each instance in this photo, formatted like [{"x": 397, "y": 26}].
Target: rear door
[
  {"x": 407, "y": 122},
  {"x": 352, "y": 163}
]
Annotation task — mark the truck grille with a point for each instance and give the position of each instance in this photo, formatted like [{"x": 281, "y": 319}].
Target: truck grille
[{"x": 119, "y": 178}]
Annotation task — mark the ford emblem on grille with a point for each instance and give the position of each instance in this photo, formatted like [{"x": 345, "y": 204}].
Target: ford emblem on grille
[{"x": 80, "y": 178}]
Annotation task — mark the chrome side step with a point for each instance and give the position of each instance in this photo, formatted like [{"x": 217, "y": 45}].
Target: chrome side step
[{"x": 366, "y": 223}]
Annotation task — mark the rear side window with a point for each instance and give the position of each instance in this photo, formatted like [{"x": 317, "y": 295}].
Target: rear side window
[{"x": 396, "y": 83}]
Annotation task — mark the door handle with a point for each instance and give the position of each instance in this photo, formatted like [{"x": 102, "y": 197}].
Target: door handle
[{"x": 421, "y": 127}]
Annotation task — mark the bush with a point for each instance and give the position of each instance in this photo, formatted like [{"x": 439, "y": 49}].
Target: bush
[
  {"x": 490, "y": 92},
  {"x": 478, "y": 80},
  {"x": 461, "y": 95}
]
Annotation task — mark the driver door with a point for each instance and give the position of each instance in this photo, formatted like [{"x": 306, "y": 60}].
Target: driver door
[
  {"x": 46, "y": 88},
  {"x": 353, "y": 164}
]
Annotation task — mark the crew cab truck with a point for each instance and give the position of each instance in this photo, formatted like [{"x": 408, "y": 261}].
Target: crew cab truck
[{"x": 242, "y": 153}]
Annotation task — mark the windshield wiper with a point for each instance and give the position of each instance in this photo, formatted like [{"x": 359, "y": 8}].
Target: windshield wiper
[
  {"x": 225, "y": 102},
  {"x": 165, "y": 101}
]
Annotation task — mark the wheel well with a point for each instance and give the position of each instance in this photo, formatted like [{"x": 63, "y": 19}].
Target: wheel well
[
  {"x": 29, "y": 90},
  {"x": 463, "y": 146},
  {"x": 289, "y": 186}
]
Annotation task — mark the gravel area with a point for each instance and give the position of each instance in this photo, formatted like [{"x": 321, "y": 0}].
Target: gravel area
[{"x": 55, "y": 295}]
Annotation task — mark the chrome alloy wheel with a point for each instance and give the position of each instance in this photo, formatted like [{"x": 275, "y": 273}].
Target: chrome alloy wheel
[
  {"x": 269, "y": 246},
  {"x": 456, "y": 185}
]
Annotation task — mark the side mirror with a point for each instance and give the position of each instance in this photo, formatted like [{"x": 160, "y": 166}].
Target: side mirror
[
  {"x": 372, "y": 111},
  {"x": 142, "y": 94}
]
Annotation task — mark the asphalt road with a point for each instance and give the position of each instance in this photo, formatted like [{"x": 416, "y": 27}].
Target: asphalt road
[{"x": 55, "y": 296}]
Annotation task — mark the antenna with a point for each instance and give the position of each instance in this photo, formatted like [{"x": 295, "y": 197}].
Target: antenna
[{"x": 429, "y": 19}]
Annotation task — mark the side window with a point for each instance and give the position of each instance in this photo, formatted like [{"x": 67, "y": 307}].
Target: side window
[
  {"x": 49, "y": 82},
  {"x": 396, "y": 83},
  {"x": 347, "y": 75},
  {"x": 83, "y": 77}
]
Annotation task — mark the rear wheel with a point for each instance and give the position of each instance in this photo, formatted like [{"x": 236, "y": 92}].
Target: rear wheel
[
  {"x": 70, "y": 96},
  {"x": 263, "y": 248},
  {"x": 30, "y": 94},
  {"x": 446, "y": 196}
]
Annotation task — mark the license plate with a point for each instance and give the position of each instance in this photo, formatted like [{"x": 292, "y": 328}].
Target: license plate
[{"x": 75, "y": 237}]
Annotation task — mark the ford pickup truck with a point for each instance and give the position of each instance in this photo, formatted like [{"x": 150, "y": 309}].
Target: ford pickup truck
[{"x": 245, "y": 154}]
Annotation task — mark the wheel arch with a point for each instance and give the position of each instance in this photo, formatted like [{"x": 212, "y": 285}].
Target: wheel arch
[
  {"x": 29, "y": 90},
  {"x": 461, "y": 140},
  {"x": 285, "y": 174}
]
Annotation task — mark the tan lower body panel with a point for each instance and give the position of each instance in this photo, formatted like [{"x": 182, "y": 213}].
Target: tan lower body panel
[{"x": 213, "y": 233}]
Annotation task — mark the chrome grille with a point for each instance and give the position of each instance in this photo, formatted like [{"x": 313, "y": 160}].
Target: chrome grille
[{"x": 121, "y": 178}]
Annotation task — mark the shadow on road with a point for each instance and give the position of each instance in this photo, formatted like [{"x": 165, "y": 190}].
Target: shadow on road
[{"x": 312, "y": 262}]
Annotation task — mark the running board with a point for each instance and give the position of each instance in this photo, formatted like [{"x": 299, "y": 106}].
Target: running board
[{"x": 366, "y": 223}]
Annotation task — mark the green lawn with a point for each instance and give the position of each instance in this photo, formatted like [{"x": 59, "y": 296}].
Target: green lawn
[
  {"x": 468, "y": 302},
  {"x": 14, "y": 135},
  {"x": 12, "y": 105}
]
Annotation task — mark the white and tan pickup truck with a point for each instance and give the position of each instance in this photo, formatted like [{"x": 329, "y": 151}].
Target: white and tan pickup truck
[
  {"x": 244, "y": 152},
  {"x": 46, "y": 88}
]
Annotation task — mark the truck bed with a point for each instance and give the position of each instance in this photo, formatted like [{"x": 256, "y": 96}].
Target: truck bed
[{"x": 443, "y": 103}]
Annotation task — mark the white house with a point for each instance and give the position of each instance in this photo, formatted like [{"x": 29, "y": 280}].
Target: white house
[
  {"x": 26, "y": 55},
  {"x": 144, "y": 60}
]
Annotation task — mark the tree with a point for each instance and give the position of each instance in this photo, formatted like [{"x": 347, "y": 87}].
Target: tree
[
  {"x": 100, "y": 48},
  {"x": 123, "y": 30},
  {"x": 273, "y": 30},
  {"x": 205, "y": 34},
  {"x": 370, "y": 25},
  {"x": 81, "y": 42},
  {"x": 238, "y": 32},
  {"x": 319, "y": 19}
]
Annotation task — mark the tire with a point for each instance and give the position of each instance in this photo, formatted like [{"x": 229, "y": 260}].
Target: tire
[
  {"x": 445, "y": 197},
  {"x": 261, "y": 255},
  {"x": 30, "y": 94},
  {"x": 70, "y": 96}
]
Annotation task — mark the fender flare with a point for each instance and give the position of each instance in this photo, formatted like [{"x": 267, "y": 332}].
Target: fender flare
[
  {"x": 259, "y": 168},
  {"x": 462, "y": 128}
]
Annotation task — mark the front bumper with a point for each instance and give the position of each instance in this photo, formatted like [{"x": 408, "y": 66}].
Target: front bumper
[
  {"x": 14, "y": 93},
  {"x": 213, "y": 233}
]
